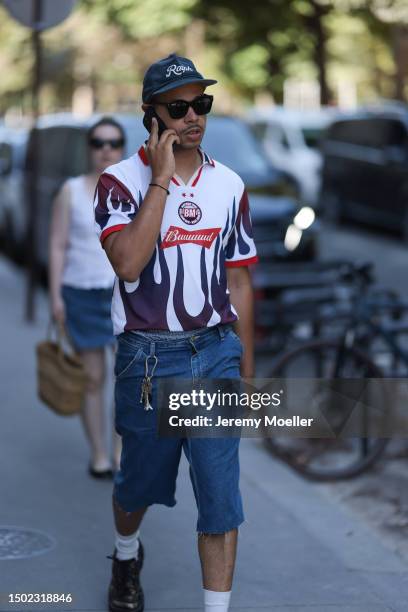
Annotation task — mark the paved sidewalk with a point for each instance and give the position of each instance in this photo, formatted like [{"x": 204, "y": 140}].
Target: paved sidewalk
[{"x": 299, "y": 552}]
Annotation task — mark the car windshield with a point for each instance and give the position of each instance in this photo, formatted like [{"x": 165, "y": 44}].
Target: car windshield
[
  {"x": 227, "y": 140},
  {"x": 232, "y": 143},
  {"x": 312, "y": 137}
]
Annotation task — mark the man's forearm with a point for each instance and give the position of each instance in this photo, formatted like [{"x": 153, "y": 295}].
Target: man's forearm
[
  {"x": 245, "y": 330},
  {"x": 130, "y": 249},
  {"x": 243, "y": 302}
]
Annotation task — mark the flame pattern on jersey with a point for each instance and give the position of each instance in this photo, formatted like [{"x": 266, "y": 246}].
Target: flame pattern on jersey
[{"x": 184, "y": 284}]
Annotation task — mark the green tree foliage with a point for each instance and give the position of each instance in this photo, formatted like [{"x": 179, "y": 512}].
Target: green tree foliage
[
  {"x": 280, "y": 31},
  {"x": 252, "y": 46},
  {"x": 282, "y": 35},
  {"x": 15, "y": 51},
  {"x": 140, "y": 19}
]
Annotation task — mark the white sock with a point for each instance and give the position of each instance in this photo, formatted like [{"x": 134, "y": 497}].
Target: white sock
[
  {"x": 216, "y": 601},
  {"x": 127, "y": 547}
]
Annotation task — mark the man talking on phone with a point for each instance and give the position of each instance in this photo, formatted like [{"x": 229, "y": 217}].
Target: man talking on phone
[{"x": 176, "y": 227}]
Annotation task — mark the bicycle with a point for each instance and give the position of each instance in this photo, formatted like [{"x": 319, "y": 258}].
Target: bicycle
[
  {"x": 371, "y": 318},
  {"x": 293, "y": 299}
]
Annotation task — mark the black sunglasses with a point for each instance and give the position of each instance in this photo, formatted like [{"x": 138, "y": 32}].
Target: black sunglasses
[
  {"x": 179, "y": 108},
  {"x": 99, "y": 143}
]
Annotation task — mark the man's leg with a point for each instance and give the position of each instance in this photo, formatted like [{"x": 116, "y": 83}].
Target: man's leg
[
  {"x": 214, "y": 472},
  {"x": 215, "y": 469},
  {"x": 127, "y": 523},
  {"x": 217, "y": 555},
  {"x": 125, "y": 592}
]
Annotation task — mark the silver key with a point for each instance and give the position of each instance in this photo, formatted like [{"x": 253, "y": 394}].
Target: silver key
[
  {"x": 147, "y": 383},
  {"x": 146, "y": 393}
]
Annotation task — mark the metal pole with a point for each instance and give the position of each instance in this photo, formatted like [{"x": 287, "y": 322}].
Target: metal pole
[{"x": 32, "y": 183}]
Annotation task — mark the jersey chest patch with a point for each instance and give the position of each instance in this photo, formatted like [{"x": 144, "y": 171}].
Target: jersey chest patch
[
  {"x": 189, "y": 212},
  {"x": 177, "y": 235}
]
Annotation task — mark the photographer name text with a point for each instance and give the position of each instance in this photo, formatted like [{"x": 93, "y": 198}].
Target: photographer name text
[{"x": 266, "y": 421}]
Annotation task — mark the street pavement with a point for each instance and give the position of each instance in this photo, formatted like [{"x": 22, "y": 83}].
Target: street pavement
[{"x": 299, "y": 551}]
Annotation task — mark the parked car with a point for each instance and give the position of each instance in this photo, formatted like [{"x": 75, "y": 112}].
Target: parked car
[
  {"x": 13, "y": 145},
  {"x": 365, "y": 170},
  {"x": 283, "y": 229},
  {"x": 291, "y": 141},
  {"x": 61, "y": 153}
]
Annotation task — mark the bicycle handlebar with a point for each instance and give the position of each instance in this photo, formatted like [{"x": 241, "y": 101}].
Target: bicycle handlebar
[{"x": 363, "y": 272}]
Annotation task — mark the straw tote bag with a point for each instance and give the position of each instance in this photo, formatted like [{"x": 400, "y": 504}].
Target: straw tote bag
[{"x": 61, "y": 377}]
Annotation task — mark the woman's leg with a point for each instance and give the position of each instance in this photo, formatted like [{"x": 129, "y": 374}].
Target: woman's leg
[
  {"x": 117, "y": 449},
  {"x": 93, "y": 414},
  {"x": 116, "y": 438}
]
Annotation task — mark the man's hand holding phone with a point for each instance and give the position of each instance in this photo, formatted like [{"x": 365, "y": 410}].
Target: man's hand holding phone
[
  {"x": 160, "y": 154},
  {"x": 144, "y": 230}
]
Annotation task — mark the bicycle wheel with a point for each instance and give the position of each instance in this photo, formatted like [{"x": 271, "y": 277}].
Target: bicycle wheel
[{"x": 327, "y": 459}]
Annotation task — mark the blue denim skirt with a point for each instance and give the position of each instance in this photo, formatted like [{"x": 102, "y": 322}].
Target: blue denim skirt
[
  {"x": 149, "y": 464},
  {"x": 88, "y": 317}
]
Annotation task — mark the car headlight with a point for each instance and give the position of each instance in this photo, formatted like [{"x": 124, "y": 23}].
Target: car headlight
[
  {"x": 293, "y": 237},
  {"x": 301, "y": 222},
  {"x": 304, "y": 218}
]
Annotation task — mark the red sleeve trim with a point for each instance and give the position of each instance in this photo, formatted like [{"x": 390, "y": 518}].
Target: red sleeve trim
[
  {"x": 242, "y": 262},
  {"x": 111, "y": 230}
]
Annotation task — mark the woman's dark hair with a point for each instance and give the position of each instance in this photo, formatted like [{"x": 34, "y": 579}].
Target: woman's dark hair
[{"x": 106, "y": 121}]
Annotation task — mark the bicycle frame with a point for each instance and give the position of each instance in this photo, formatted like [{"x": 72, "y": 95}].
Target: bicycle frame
[{"x": 363, "y": 316}]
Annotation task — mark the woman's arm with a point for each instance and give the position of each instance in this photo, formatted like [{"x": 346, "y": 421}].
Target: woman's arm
[{"x": 59, "y": 230}]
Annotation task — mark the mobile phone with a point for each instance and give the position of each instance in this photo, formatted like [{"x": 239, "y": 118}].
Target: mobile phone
[{"x": 147, "y": 121}]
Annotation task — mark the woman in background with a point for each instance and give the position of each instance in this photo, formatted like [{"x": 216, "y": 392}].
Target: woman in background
[{"x": 81, "y": 280}]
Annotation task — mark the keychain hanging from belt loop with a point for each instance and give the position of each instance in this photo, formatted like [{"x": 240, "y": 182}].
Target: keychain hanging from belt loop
[{"x": 146, "y": 393}]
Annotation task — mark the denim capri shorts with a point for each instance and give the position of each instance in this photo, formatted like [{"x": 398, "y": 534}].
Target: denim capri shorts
[
  {"x": 149, "y": 464},
  {"x": 88, "y": 317}
]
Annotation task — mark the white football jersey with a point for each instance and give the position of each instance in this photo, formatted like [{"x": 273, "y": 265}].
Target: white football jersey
[{"x": 206, "y": 227}]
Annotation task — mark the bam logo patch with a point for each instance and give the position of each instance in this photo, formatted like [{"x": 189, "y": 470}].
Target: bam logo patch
[{"x": 190, "y": 213}]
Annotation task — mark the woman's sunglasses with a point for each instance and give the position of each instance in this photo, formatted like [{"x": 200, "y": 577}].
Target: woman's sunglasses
[
  {"x": 99, "y": 143},
  {"x": 179, "y": 108}
]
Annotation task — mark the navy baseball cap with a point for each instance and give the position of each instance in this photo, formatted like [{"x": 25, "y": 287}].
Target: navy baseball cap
[{"x": 171, "y": 72}]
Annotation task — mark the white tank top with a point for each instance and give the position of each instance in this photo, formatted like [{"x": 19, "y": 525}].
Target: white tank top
[{"x": 86, "y": 265}]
